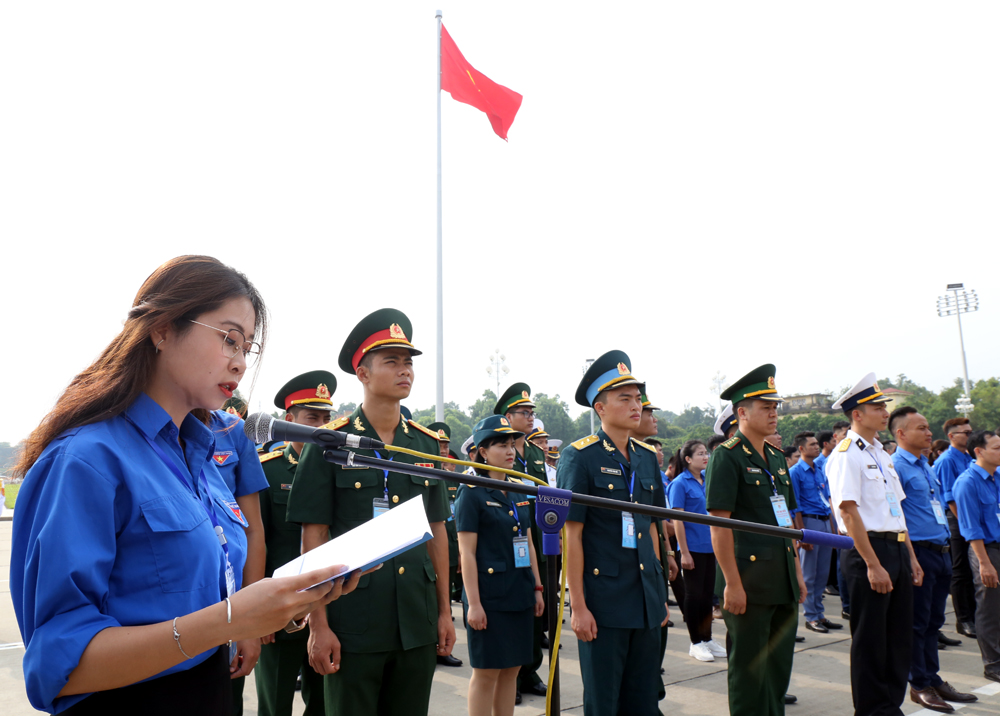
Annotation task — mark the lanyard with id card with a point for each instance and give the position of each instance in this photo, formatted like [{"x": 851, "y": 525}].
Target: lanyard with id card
[
  {"x": 779, "y": 505},
  {"x": 200, "y": 496},
  {"x": 380, "y": 505},
  {"x": 936, "y": 507},
  {"x": 628, "y": 521},
  {"x": 521, "y": 556},
  {"x": 890, "y": 494}
]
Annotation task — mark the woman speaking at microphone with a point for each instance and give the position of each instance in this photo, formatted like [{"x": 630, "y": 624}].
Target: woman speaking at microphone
[
  {"x": 124, "y": 554},
  {"x": 502, "y": 588}
]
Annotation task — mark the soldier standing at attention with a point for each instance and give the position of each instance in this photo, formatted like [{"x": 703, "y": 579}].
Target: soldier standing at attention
[
  {"x": 882, "y": 568},
  {"x": 378, "y": 654},
  {"x": 443, "y": 431},
  {"x": 758, "y": 577},
  {"x": 516, "y": 405},
  {"x": 306, "y": 401},
  {"x": 613, "y": 570}
]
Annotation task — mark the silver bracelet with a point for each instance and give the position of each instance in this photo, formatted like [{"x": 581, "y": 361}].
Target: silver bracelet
[{"x": 177, "y": 638}]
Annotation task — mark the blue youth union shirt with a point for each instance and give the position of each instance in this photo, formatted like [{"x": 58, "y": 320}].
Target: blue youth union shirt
[
  {"x": 977, "y": 496},
  {"x": 105, "y": 535},
  {"x": 685, "y": 493},
  {"x": 235, "y": 456},
  {"x": 808, "y": 484},
  {"x": 921, "y": 487},
  {"x": 949, "y": 465}
]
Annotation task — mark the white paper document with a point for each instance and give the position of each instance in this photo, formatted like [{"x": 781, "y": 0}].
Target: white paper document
[{"x": 377, "y": 540}]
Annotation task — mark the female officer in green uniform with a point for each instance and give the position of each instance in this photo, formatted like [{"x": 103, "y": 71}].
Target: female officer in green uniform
[{"x": 503, "y": 590}]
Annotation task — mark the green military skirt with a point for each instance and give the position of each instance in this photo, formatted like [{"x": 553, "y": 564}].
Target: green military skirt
[{"x": 506, "y": 640}]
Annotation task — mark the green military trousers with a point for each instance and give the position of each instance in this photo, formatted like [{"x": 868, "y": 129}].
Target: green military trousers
[
  {"x": 384, "y": 683},
  {"x": 276, "y": 673},
  {"x": 760, "y": 658}
]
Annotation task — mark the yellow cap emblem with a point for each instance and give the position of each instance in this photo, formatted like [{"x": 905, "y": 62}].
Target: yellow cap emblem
[
  {"x": 442, "y": 434},
  {"x": 396, "y": 332},
  {"x": 770, "y": 382},
  {"x": 322, "y": 392},
  {"x": 622, "y": 369},
  {"x": 232, "y": 411},
  {"x": 524, "y": 394},
  {"x": 503, "y": 421}
]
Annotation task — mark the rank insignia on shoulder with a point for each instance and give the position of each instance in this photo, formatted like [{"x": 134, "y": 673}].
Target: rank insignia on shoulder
[
  {"x": 608, "y": 446},
  {"x": 584, "y": 442},
  {"x": 286, "y": 486},
  {"x": 422, "y": 429},
  {"x": 337, "y": 424},
  {"x": 424, "y": 464},
  {"x": 524, "y": 504},
  {"x": 844, "y": 444},
  {"x": 747, "y": 450},
  {"x": 611, "y": 471},
  {"x": 773, "y": 447},
  {"x": 731, "y": 443},
  {"x": 272, "y": 455},
  {"x": 406, "y": 428},
  {"x": 358, "y": 426},
  {"x": 754, "y": 470},
  {"x": 645, "y": 445}
]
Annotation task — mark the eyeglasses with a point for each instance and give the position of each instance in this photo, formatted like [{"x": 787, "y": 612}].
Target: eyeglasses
[
  {"x": 233, "y": 342},
  {"x": 962, "y": 432},
  {"x": 525, "y": 413}
]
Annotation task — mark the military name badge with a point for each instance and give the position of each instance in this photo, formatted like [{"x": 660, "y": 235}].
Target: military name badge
[
  {"x": 755, "y": 470},
  {"x": 781, "y": 511},
  {"x": 222, "y": 457},
  {"x": 286, "y": 486},
  {"x": 611, "y": 470},
  {"x": 521, "y": 558},
  {"x": 628, "y": 531}
]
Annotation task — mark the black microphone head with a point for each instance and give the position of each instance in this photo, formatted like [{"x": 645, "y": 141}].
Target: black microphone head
[{"x": 257, "y": 427}]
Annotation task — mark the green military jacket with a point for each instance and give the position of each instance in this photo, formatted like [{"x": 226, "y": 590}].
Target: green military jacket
[
  {"x": 395, "y": 607},
  {"x": 283, "y": 539},
  {"x": 737, "y": 480}
]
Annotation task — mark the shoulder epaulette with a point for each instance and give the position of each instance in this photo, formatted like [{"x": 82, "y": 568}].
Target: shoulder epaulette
[
  {"x": 844, "y": 444},
  {"x": 424, "y": 430},
  {"x": 337, "y": 424},
  {"x": 272, "y": 455},
  {"x": 731, "y": 443},
  {"x": 640, "y": 443},
  {"x": 774, "y": 447},
  {"x": 584, "y": 442}
]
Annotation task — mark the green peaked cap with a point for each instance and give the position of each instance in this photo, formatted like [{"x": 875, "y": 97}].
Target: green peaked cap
[
  {"x": 385, "y": 328},
  {"x": 310, "y": 390},
  {"x": 517, "y": 394},
  {"x": 441, "y": 428},
  {"x": 757, "y": 384}
]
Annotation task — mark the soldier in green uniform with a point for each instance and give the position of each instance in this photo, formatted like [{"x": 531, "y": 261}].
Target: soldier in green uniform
[
  {"x": 443, "y": 431},
  {"x": 758, "y": 577},
  {"x": 305, "y": 400},
  {"x": 612, "y": 564},
  {"x": 516, "y": 405},
  {"x": 378, "y": 651}
]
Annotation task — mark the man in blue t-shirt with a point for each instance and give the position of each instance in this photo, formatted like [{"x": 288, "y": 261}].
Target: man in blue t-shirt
[{"x": 952, "y": 463}]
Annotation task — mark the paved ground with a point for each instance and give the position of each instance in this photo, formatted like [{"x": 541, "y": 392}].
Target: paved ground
[{"x": 820, "y": 678}]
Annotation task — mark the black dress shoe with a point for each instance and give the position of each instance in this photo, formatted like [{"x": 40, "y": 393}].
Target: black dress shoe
[
  {"x": 662, "y": 671},
  {"x": 844, "y": 614},
  {"x": 669, "y": 623},
  {"x": 449, "y": 660},
  {"x": 829, "y": 624},
  {"x": 544, "y": 643},
  {"x": 672, "y": 603},
  {"x": 817, "y": 627},
  {"x": 538, "y": 689},
  {"x": 947, "y": 640},
  {"x": 831, "y": 590},
  {"x": 789, "y": 699},
  {"x": 992, "y": 675},
  {"x": 941, "y": 647},
  {"x": 929, "y": 699},
  {"x": 799, "y": 639},
  {"x": 966, "y": 629},
  {"x": 517, "y": 697},
  {"x": 948, "y": 693}
]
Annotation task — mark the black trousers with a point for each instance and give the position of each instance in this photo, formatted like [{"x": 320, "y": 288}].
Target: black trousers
[
  {"x": 699, "y": 585},
  {"x": 881, "y": 630},
  {"x": 963, "y": 589}
]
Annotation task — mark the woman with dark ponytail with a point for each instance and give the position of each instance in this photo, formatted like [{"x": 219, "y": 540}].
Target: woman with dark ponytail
[{"x": 125, "y": 552}]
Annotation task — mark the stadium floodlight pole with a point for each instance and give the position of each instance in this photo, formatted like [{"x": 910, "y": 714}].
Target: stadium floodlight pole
[
  {"x": 439, "y": 408},
  {"x": 961, "y": 301},
  {"x": 586, "y": 366}
]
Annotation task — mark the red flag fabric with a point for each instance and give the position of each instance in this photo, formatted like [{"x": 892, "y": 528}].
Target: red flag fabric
[{"x": 466, "y": 84}]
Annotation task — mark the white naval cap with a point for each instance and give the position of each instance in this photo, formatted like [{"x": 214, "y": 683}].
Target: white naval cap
[
  {"x": 865, "y": 392},
  {"x": 467, "y": 445},
  {"x": 555, "y": 443},
  {"x": 725, "y": 420}
]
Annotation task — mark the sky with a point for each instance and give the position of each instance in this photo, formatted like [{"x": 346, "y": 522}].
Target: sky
[{"x": 706, "y": 186}]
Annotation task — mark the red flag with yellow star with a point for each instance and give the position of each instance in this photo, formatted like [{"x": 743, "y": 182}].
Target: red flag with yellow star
[{"x": 466, "y": 84}]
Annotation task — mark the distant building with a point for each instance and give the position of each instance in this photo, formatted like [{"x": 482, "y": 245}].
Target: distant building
[
  {"x": 796, "y": 405},
  {"x": 898, "y": 398}
]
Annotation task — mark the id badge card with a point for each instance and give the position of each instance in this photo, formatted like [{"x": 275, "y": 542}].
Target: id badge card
[
  {"x": 628, "y": 530},
  {"x": 380, "y": 506},
  {"x": 521, "y": 556},
  {"x": 781, "y": 511},
  {"x": 823, "y": 498},
  {"x": 890, "y": 497},
  {"x": 230, "y": 591},
  {"x": 451, "y": 504},
  {"x": 938, "y": 512}
]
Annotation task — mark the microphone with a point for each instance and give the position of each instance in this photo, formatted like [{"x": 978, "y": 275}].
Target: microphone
[{"x": 261, "y": 427}]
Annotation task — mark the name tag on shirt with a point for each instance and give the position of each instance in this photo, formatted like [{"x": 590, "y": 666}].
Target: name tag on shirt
[
  {"x": 611, "y": 471},
  {"x": 755, "y": 470},
  {"x": 890, "y": 497},
  {"x": 521, "y": 558},
  {"x": 628, "y": 530},
  {"x": 938, "y": 512},
  {"x": 781, "y": 511}
]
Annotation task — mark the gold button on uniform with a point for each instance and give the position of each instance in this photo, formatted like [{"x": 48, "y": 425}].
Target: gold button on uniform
[
  {"x": 490, "y": 570},
  {"x": 514, "y": 528},
  {"x": 596, "y": 571},
  {"x": 753, "y": 558},
  {"x": 510, "y": 512},
  {"x": 402, "y": 569},
  {"x": 611, "y": 486},
  {"x": 758, "y": 482},
  {"x": 641, "y": 566},
  {"x": 357, "y": 485},
  {"x": 640, "y": 535},
  {"x": 427, "y": 483},
  {"x": 395, "y": 498}
]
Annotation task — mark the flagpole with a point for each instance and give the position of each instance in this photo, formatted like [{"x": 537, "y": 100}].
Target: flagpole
[{"x": 439, "y": 410}]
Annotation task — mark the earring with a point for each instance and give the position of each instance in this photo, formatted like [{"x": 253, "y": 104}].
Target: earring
[{"x": 158, "y": 344}]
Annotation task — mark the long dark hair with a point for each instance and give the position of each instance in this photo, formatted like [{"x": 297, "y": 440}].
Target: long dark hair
[
  {"x": 680, "y": 457},
  {"x": 179, "y": 290}
]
